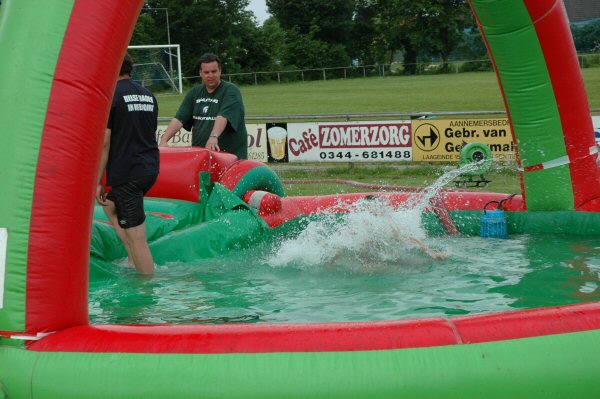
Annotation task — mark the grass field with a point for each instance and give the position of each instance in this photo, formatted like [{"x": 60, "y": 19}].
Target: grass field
[
  {"x": 504, "y": 179},
  {"x": 477, "y": 91}
]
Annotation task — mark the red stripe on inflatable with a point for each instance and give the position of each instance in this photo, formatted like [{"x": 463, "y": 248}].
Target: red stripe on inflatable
[
  {"x": 370, "y": 186},
  {"x": 591, "y": 206},
  {"x": 232, "y": 176},
  {"x": 442, "y": 212},
  {"x": 179, "y": 176},
  {"x": 501, "y": 86},
  {"x": 551, "y": 24},
  {"x": 161, "y": 215},
  {"x": 538, "y": 9},
  {"x": 251, "y": 338},
  {"x": 451, "y": 200},
  {"x": 528, "y": 323},
  {"x": 219, "y": 162},
  {"x": 476, "y": 201},
  {"x": 289, "y": 211},
  {"x": 293, "y": 207},
  {"x": 534, "y": 168},
  {"x": 180, "y": 169},
  {"x": 67, "y": 169},
  {"x": 257, "y": 338}
]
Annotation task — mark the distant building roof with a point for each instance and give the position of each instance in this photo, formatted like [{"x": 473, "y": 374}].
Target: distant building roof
[{"x": 582, "y": 10}]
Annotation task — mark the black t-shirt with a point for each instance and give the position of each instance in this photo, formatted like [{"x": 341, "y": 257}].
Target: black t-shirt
[{"x": 133, "y": 121}]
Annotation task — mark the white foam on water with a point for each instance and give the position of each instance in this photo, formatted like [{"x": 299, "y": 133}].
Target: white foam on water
[
  {"x": 370, "y": 234},
  {"x": 372, "y": 237}
]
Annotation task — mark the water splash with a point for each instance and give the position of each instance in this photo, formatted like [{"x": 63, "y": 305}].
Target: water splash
[
  {"x": 372, "y": 237},
  {"x": 422, "y": 199}
]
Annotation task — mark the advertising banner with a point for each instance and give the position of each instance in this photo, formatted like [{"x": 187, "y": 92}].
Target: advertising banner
[
  {"x": 257, "y": 142},
  {"x": 434, "y": 140},
  {"x": 277, "y": 137},
  {"x": 442, "y": 140},
  {"x": 350, "y": 141},
  {"x": 182, "y": 138}
]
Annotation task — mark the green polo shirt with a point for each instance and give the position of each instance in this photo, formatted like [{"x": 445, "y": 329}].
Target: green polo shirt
[{"x": 200, "y": 109}]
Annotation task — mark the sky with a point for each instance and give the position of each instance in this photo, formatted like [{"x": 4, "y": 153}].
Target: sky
[{"x": 259, "y": 8}]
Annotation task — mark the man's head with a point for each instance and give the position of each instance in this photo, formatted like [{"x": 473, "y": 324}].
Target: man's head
[
  {"x": 210, "y": 71},
  {"x": 126, "y": 66}
]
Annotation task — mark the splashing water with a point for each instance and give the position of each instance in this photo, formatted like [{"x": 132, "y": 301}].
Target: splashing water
[
  {"x": 364, "y": 265},
  {"x": 372, "y": 237},
  {"x": 420, "y": 202}
]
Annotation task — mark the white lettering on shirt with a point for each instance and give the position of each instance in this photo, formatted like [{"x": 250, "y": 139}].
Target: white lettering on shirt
[
  {"x": 138, "y": 98},
  {"x": 139, "y": 102},
  {"x": 140, "y": 107},
  {"x": 207, "y": 100}
]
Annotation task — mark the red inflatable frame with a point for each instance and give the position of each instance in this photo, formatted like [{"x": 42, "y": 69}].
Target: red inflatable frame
[{"x": 57, "y": 296}]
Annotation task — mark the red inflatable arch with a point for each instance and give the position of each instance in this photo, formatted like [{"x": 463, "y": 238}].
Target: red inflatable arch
[{"x": 60, "y": 59}]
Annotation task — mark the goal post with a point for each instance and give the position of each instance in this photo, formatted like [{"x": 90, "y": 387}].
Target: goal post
[{"x": 157, "y": 64}]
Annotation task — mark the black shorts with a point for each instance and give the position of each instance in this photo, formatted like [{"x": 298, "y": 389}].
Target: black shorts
[{"x": 129, "y": 200}]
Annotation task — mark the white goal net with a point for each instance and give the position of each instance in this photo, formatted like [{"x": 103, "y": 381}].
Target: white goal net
[{"x": 157, "y": 67}]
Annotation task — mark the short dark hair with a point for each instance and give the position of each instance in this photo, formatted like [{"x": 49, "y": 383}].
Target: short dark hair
[
  {"x": 207, "y": 58},
  {"x": 126, "y": 66}
]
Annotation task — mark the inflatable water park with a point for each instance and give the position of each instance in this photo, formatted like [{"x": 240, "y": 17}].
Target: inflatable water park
[{"x": 55, "y": 242}]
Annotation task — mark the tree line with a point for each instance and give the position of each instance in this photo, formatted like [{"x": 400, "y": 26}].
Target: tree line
[{"x": 304, "y": 34}]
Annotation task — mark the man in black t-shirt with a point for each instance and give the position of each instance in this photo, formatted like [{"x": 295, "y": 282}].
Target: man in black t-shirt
[{"x": 131, "y": 158}]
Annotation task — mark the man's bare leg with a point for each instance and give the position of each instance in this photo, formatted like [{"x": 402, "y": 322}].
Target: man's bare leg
[
  {"x": 111, "y": 211},
  {"x": 140, "y": 250},
  {"x": 134, "y": 240}
]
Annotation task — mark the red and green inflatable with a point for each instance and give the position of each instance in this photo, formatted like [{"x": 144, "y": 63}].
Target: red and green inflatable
[{"x": 58, "y": 65}]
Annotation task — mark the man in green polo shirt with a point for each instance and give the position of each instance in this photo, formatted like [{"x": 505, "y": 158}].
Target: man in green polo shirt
[{"x": 215, "y": 110}]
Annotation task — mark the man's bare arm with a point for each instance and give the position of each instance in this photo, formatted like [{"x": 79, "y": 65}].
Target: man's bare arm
[{"x": 174, "y": 126}]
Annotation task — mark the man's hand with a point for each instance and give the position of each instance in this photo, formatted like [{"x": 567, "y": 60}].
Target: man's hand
[
  {"x": 101, "y": 195},
  {"x": 213, "y": 143},
  {"x": 163, "y": 142},
  {"x": 174, "y": 126}
]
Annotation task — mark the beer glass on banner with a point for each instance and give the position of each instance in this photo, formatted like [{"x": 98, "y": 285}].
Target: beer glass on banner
[{"x": 277, "y": 137}]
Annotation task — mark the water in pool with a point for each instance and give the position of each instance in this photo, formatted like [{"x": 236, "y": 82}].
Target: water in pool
[{"x": 375, "y": 263}]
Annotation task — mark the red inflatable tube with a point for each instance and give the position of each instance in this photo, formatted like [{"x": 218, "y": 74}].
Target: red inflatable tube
[
  {"x": 569, "y": 89},
  {"x": 293, "y": 207},
  {"x": 236, "y": 172},
  {"x": 66, "y": 170},
  {"x": 323, "y": 337},
  {"x": 265, "y": 202},
  {"x": 180, "y": 169}
]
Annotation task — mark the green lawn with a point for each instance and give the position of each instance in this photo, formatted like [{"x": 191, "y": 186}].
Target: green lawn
[
  {"x": 476, "y": 91},
  {"x": 504, "y": 179}
]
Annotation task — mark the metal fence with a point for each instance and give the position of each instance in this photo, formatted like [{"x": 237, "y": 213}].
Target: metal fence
[
  {"x": 358, "y": 71},
  {"x": 371, "y": 115},
  {"x": 362, "y": 116},
  {"x": 362, "y": 71}
]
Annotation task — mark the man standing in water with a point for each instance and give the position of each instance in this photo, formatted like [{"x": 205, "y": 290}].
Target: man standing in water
[
  {"x": 131, "y": 159},
  {"x": 215, "y": 111}
]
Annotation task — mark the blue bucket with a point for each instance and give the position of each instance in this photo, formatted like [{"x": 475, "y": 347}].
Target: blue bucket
[{"x": 493, "y": 224}]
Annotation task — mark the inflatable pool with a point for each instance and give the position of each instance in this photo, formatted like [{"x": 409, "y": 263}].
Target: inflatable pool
[{"x": 59, "y": 63}]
